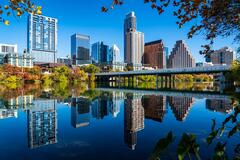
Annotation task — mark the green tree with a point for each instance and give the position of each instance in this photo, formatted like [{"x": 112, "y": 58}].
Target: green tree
[
  {"x": 90, "y": 69},
  {"x": 60, "y": 74},
  {"x": 235, "y": 71}
]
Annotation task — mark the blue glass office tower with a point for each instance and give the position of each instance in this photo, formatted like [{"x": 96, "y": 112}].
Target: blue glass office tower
[
  {"x": 42, "y": 38},
  {"x": 80, "y": 49},
  {"x": 101, "y": 53}
]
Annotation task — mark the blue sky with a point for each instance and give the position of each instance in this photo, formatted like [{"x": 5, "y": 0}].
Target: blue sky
[{"x": 85, "y": 17}]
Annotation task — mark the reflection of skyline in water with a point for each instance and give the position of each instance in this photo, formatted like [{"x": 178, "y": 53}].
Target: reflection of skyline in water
[
  {"x": 42, "y": 114},
  {"x": 219, "y": 105},
  {"x": 133, "y": 118},
  {"x": 42, "y": 123},
  {"x": 9, "y": 108},
  {"x": 155, "y": 107},
  {"x": 180, "y": 106},
  {"x": 80, "y": 112}
]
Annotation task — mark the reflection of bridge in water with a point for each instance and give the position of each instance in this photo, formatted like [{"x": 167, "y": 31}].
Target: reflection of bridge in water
[{"x": 172, "y": 93}]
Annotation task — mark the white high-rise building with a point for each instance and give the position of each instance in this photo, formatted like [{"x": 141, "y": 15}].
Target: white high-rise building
[
  {"x": 8, "y": 48},
  {"x": 133, "y": 42},
  {"x": 115, "y": 53},
  {"x": 42, "y": 38}
]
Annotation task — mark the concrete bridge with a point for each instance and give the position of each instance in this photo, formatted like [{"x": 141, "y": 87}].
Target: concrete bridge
[
  {"x": 167, "y": 75},
  {"x": 170, "y": 71}
]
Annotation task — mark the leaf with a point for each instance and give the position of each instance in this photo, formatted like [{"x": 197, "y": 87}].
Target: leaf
[
  {"x": 233, "y": 131},
  {"x": 6, "y": 22},
  {"x": 6, "y": 7},
  {"x": 162, "y": 145},
  {"x": 188, "y": 145},
  {"x": 214, "y": 124},
  {"x": 212, "y": 136},
  {"x": 220, "y": 151},
  {"x": 104, "y": 9}
]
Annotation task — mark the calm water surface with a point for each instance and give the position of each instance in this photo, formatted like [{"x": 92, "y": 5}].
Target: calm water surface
[{"x": 107, "y": 123}]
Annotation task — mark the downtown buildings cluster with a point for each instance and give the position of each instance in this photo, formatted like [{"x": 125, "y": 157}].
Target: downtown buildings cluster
[{"x": 42, "y": 42}]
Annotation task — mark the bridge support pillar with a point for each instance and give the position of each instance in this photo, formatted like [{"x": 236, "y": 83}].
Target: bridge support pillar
[
  {"x": 132, "y": 81},
  {"x": 162, "y": 82},
  {"x": 170, "y": 81},
  {"x": 166, "y": 82},
  {"x": 119, "y": 80},
  {"x": 137, "y": 80},
  {"x": 173, "y": 79},
  {"x": 222, "y": 81},
  {"x": 128, "y": 81},
  {"x": 157, "y": 81}
]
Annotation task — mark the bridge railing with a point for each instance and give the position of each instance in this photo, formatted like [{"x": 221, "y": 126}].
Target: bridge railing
[{"x": 170, "y": 71}]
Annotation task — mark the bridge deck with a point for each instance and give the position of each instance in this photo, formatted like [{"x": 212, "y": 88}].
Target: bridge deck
[{"x": 195, "y": 70}]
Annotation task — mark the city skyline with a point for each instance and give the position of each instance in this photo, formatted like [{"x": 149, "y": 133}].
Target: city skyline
[{"x": 96, "y": 24}]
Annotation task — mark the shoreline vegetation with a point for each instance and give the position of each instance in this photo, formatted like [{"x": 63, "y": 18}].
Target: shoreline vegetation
[{"x": 12, "y": 77}]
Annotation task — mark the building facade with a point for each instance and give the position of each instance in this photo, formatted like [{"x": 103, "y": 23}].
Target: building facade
[
  {"x": 65, "y": 60},
  {"x": 100, "y": 53},
  {"x": 133, "y": 42},
  {"x": 80, "y": 49},
  {"x": 155, "y": 55},
  {"x": 9, "y": 55},
  {"x": 222, "y": 56},
  {"x": 42, "y": 38},
  {"x": 181, "y": 56},
  {"x": 8, "y": 48},
  {"x": 19, "y": 60},
  {"x": 115, "y": 54}
]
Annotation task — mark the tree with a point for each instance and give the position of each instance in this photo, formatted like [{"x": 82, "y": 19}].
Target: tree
[
  {"x": 78, "y": 75},
  {"x": 90, "y": 68},
  {"x": 217, "y": 17},
  {"x": 17, "y": 8}
]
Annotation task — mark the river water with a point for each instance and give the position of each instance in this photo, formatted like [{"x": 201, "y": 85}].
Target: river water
[{"x": 109, "y": 123}]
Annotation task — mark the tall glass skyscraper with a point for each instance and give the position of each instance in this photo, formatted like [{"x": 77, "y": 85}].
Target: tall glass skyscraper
[
  {"x": 100, "y": 53},
  {"x": 42, "y": 38},
  {"x": 133, "y": 42},
  {"x": 115, "y": 54},
  {"x": 80, "y": 49}
]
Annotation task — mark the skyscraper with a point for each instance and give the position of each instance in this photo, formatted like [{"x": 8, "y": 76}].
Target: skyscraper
[
  {"x": 133, "y": 42},
  {"x": 80, "y": 49},
  {"x": 100, "y": 53},
  {"x": 115, "y": 54},
  {"x": 155, "y": 54},
  {"x": 224, "y": 55},
  {"x": 42, "y": 38},
  {"x": 181, "y": 56}
]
